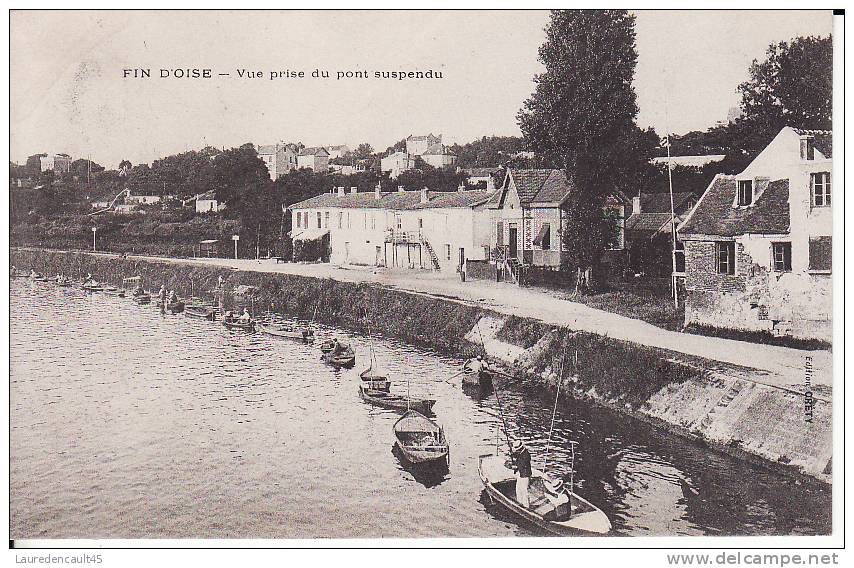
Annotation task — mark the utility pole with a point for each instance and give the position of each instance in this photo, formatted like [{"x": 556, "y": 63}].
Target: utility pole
[{"x": 672, "y": 223}]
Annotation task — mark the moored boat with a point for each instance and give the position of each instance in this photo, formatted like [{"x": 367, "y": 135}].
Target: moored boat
[
  {"x": 114, "y": 291},
  {"x": 419, "y": 439},
  {"x": 476, "y": 374},
  {"x": 574, "y": 518},
  {"x": 386, "y": 399},
  {"x": 374, "y": 381},
  {"x": 92, "y": 286},
  {"x": 343, "y": 357},
  {"x": 239, "y": 325},
  {"x": 142, "y": 299},
  {"x": 286, "y": 330},
  {"x": 175, "y": 307},
  {"x": 199, "y": 311}
]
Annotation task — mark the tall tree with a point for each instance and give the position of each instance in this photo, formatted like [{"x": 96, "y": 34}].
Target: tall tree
[{"x": 581, "y": 116}]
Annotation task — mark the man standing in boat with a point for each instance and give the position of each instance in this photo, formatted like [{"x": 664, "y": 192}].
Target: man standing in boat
[{"x": 522, "y": 464}]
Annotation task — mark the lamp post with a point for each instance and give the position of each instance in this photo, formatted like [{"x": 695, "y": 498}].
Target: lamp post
[
  {"x": 94, "y": 230},
  {"x": 235, "y": 238}
]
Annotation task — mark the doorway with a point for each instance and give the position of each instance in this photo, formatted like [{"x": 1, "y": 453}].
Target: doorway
[{"x": 514, "y": 248}]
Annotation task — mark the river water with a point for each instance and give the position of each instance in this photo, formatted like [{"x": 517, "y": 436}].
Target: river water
[{"x": 126, "y": 423}]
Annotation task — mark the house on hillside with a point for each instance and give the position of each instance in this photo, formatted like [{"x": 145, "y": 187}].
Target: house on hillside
[
  {"x": 396, "y": 163},
  {"x": 417, "y": 145},
  {"x": 649, "y": 230},
  {"x": 207, "y": 203},
  {"x": 337, "y": 151},
  {"x": 57, "y": 163},
  {"x": 528, "y": 219},
  {"x": 758, "y": 244},
  {"x": 439, "y": 156},
  {"x": 315, "y": 158},
  {"x": 481, "y": 178},
  {"x": 695, "y": 162},
  {"x": 407, "y": 229},
  {"x": 279, "y": 159}
]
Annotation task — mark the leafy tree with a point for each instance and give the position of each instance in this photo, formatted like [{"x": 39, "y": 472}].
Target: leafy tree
[
  {"x": 792, "y": 87},
  {"x": 581, "y": 116},
  {"x": 363, "y": 151},
  {"x": 488, "y": 152}
]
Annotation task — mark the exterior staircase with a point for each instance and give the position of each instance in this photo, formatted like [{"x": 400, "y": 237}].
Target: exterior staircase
[{"x": 431, "y": 253}]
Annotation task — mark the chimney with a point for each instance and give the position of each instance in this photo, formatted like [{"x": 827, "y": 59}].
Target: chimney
[
  {"x": 378, "y": 191},
  {"x": 807, "y": 147},
  {"x": 424, "y": 197},
  {"x": 400, "y": 189},
  {"x": 341, "y": 190},
  {"x": 636, "y": 205}
]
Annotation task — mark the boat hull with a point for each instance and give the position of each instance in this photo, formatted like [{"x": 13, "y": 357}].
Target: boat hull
[
  {"x": 591, "y": 522},
  {"x": 385, "y": 400},
  {"x": 420, "y": 440},
  {"x": 305, "y": 335},
  {"x": 248, "y": 327},
  {"x": 200, "y": 312}
]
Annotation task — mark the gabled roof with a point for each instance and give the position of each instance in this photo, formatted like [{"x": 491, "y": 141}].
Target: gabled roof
[
  {"x": 660, "y": 202},
  {"x": 314, "y": 151},
  {"x": 396, "y": 200},
  {"x": 715, "y": 215},
  {"x": 823, "y": 140},
  {"x": 270, "y": 149},
  {"x": 437, "y": 149},
  {"x": 647, "y": 221},
  {"x": 422, "y": 138}
]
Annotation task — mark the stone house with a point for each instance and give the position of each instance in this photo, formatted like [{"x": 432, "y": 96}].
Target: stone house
[
  {"x": 207, "y": 203},
  {"x": 758, "y": 244},
  {"x": 649, "y": 229},
  {"x": 396, "y": 163},
  {"x": 417, "y": 145},
  {"x": 337, "y": 151},
  {"x": 439, "y": 156},
  {"x": 481, "y": 178},
  {"x": 407, "y": 229},
  {"x": 315, "y": 158},
  {"x": 279, "y": 159}
]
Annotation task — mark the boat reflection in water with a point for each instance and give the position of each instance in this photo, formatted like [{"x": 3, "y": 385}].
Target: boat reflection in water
[{"x": 189, "y": 430}]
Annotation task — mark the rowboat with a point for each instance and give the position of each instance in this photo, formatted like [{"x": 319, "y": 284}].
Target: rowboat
[
  {"x": 92, "y": 286},
  {"x": 374, "y": 381},
  {"x": 63, "y": 283},
  {"x": 239, "y": 325},
  {"x": 287, "y": 331},
  {"x": 471, "y": 377},
  {"x": 197, "y": 311},
  {"x": 419, "y": 439},
  {"x": 346, "y": 357},
  {"x": 113, "y": 291},
  {"x": 175, "y": 307},
  {"x": 326, "y": 346},
  {"x": 396, "y": 402},
  {"x": 142, "y": 299},
  {"x": 579, "y": 518}
]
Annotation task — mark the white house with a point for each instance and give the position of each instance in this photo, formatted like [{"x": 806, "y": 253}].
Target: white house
[
  {"x": 397, "y": 163},
  {"x": 316, "y": 158},
  {"x": 439, "y": 156},
  {"x": 410, "y": 229},
  {"x": 142, "y": 199},
  {"x": 58, "y": 163},
  {"x": 417, "y": 145},
  {"x": 337, "y": 151},
  {"x": 279, "y": 159},
  {"x": 481, "y": 178},
  {"x": 758, "y": 245},
  {"x": 207, "y": 203}
]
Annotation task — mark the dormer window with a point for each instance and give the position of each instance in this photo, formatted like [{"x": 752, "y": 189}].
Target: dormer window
[{"x": 745, "y": 192}]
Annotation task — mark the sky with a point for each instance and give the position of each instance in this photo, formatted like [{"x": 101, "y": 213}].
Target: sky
[{"x": 69, "y": 93}]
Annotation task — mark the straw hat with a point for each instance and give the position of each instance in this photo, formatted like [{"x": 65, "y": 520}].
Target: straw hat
[
  {"x": 516, "y": 446},
  {"x": 555, "y": 487}
]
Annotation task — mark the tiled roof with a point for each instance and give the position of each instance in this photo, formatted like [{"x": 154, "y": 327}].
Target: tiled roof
[
  {"x": 647, "y": 221},
  {"x": 823, "y": 140},
  {"x": 420, "y": 138},
  {"x": 268, "y": 149},
  {"x": 554, "y": 189},
  {"x": 437, "y": 149},
  {"x": 396, "y": 200},
  {"x": 660, "y": 202},
  {"x": 715, "y": 215},
  {"x": 314, "y": 151}
]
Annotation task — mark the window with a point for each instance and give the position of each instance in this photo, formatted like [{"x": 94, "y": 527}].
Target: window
[
  {"x": 821, "y": 254},
  {"x": 725, "y": 253},
  {"x": 745, "y": 192},
  {"x": 340, "y": 219},
  {"x": 820, "y": 189},
  {"x": 448, "y": 251},
  {"x": 398, "y": 221},
  {"x": 808, "y": 148},
  {"x": 326, "y": 220},
  {"x": 544, "y": 237},
  {"x": 299, "y": 219},
  {"x": 782, "y": 256},
  {"x": 420, "y": 223},
  {"x": 319, "y": 217}
]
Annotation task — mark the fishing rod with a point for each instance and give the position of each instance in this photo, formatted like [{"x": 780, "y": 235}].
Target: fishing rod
[{"x": 554, "y": 410}]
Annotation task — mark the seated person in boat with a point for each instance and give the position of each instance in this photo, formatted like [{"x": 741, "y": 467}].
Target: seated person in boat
[
  {"x": 336, "y": 347},
  {"x": 522, "y": 464},
  {"x": 245, "y": 317},
  {"x": 229, "y": 317},
  {"x": 557, "y": 501},
  {"x": 173, "y": 297}
]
